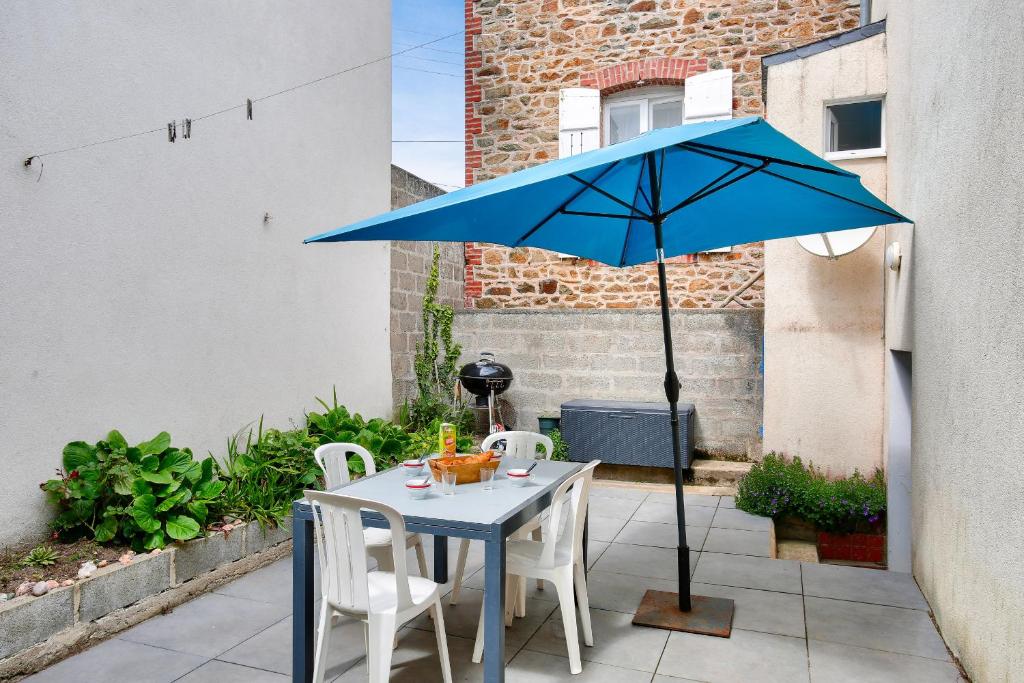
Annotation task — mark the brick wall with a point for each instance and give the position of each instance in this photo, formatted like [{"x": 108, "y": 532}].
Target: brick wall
[
  {"x": 557, "y": 356},
  {"x": 520, "y": 53},
  {"x": 410, "y": 266}
]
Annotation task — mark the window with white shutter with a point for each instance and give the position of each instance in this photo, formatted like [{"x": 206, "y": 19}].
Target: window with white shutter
[{"x": 579, "y": 120}]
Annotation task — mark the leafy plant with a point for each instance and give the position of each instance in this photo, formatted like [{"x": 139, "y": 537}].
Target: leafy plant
[
  {"x": 144, "y": 495},
  {"x": 424, "y": 441},
  {"x": 778, "y": 487},
  {"x": 386, "y": 441},
  {"x": 40, "y": 556},
  {"x": 561, "y": 449},
  {"x": 268, "y": 474}
]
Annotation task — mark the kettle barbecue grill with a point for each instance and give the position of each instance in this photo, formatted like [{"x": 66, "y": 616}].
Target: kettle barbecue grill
[{"x": 486, "y": 379}]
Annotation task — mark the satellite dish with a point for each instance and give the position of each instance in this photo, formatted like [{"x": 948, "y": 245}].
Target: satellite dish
[{"x": 835, "y": 244}]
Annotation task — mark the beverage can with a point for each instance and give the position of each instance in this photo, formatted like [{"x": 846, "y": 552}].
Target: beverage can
[{"x": 446, "y": 440}]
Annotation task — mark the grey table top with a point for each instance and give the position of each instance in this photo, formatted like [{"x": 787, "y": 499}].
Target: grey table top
[{"x": 471, "y": 503}]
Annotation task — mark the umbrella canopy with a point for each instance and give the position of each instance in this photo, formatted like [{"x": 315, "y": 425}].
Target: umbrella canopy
[
  {"x": 670, "y": 191},
  {"x": 722, "y": 183}
]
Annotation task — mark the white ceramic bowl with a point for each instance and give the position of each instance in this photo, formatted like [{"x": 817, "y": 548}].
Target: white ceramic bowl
[
  {"x": 518, "y": 476},
  {"x": 418, "y": 488},
  {"x": 412, "y": 467}
]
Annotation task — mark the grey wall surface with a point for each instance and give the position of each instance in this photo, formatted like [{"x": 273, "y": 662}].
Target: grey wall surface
[
  {"x": 954, "y": 112},
  {"x": 141, "y": 287},
  {"x": 410, "y": 267},
  {"x": 558, "y": 356}
]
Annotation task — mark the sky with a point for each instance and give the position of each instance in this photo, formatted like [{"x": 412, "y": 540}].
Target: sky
[{"x": 428, "y": 106}]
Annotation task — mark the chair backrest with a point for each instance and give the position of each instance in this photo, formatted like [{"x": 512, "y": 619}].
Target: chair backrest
[
  {"x": 521, "y": 444},
  {"x": 338, "y": 529},
  {"x": 568, "y": 518},
  {"x": 333, "y": 460}
]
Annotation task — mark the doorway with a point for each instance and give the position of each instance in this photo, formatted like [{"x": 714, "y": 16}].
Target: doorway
[{"x": 898, "y": 477}]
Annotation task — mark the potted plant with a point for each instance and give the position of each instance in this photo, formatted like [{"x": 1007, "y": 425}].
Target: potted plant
[{"x": 547, "y": 422}]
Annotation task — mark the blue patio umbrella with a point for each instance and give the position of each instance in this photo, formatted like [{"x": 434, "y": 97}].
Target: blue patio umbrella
[{"x": 668, "y": 192}]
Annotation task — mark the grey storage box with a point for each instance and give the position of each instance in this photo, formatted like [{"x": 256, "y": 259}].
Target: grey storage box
[{"x": 625, "y": 432}]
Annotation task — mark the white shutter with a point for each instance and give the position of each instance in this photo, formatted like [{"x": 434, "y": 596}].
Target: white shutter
[
  {"x": 579, "y": 120},
  {"x": 708, "y": 96}
]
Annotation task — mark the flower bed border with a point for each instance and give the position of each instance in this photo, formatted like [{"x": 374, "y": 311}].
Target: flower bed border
[
  {"x": 38, "y": 631},
  {"x": 851, "y": 547}
]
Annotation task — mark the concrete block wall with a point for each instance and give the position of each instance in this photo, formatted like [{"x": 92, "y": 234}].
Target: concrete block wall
[{"x": 557, "y": 356}]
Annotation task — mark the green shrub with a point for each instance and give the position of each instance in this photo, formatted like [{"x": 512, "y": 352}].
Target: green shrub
[
  {"x": 144, "y": 495},
  {"x": 388, "y": 442},
  {"x": 268, "y": 474},
  {"x": 561, "y": 449},
  {"x": 777, "y": 487}
]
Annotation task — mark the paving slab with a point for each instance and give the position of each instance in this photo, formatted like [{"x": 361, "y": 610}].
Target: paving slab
[
  {"x": 222, "y": 672},
  {"x": 860, "y": 584},
  {"x": 757, "y": 610},
  {"x": 621, "y": 592},
  {"x": 727, "y": 502},
  {"x": 119, "y": 660},
  {"x": 271, "y": 649},
  {"x": 415, "y": 660},
  {"x": 665, "y": 513},
  {"x": 738, "y": 542},
  {"x": 207, "y": 626},
  {"x": 620, "y": 508},
  {"x": 731, "y": 518},
  {"x": 616, "y": 641},
  {"x": 537, "y": 667},
  {"x": 603, "y": 528},
  {"x": 835, "y": 663},
  {"x": 626, "y": 492},
  {"x": 660, "y": 535},
  {"x": 271, "y": 584},
  {"x": 744, "y": 571},
  {"x": 893, "y": 629},
  {"x": 697, "y": 499},
  {"x": 746, "y": 656},
  {"x": 644, "y": 561}
]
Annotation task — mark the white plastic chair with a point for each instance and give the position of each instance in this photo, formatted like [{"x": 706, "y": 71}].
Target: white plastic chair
[
  {"x": 521, "y": 445},
  {"x": 333, "y": 460},
  {"x": 383, "y": 600},
  {"x": 558, "y": 559}
]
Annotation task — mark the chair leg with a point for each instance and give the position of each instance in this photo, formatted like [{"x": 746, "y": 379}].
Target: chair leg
[
  {"x": 521, "y": 598},
  {"x": 583, "y": 598},
  {"x": 563, "y": 584},
  {"x": 478, "y": 645},
  {"x": 378, "y": 655},
  {"x": 421, "y": 559},
  {"x": 323, "y": 639},
  {"x": 442, "y": 641},
  {"x": 511, "y": 595},
  {"x": 539, "y": 537},
  {"x": 460, "y": 569}
]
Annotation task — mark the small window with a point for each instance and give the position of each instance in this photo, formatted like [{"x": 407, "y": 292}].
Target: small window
[
  {"x": 854, "y": 129},
  {"x": 638, "y": 111}
]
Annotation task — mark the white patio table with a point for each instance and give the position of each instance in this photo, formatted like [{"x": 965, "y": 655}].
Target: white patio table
[{"x": 490, "y": 516}]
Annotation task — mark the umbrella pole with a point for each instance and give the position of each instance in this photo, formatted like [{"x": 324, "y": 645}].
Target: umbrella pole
[{"x": 660, "y": 609}]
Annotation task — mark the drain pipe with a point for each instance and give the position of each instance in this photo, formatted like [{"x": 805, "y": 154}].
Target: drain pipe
[{"x": 865, "y": 12}]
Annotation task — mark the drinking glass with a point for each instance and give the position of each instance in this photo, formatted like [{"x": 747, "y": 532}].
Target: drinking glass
[
  {"x": 487, "y": 479},
  {"x": 448, "y": 482}
]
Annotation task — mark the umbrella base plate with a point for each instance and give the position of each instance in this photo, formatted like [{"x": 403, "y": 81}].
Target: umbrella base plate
[{"x": 707, "y": 616}]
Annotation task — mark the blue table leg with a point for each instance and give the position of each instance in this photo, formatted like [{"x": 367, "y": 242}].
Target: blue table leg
[
  {"x": 494, "y": 608},
  {"x": 440, "y": 559},
  {"x": 302, "y": 599}
]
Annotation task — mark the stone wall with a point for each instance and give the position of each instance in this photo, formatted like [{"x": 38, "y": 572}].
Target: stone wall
[
  {"x": 410, "y": 267},
  {"x": 520, "y": 53},
  {"x": 558, "y": 356}
]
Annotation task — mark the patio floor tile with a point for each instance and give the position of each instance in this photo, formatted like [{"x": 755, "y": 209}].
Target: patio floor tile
[
  {"x": 638, "y": 560},
  {"x": 893, "y": 629},
  {"x": 764, "y": 611},
  {"x": 697, "y": 499},
  {"x": 598, "y": 491},
  {"x": 727, "y": 502},
  {"x": 863, "y": 585},
  {"x": 665, "y": 513},
  {"x": 476, "y": 582},
  {"x": 223, "y": 672},
  {"x": 119, "y": 660},
  {"x": 744, "y": 571},
  {"x": 271, "y": 649},
  {"x": 731, "y": 518},
  {"x": 538, "y": 667},
  {"x": 603, "y": 528},
  {"x": 208, "y": 625},
  {"x": 621, "y": 592},
  {"x": 835, "y": 663},
  {"x": 619, "y": 508},
  {"x": 272, "y": 584},
  {"x": 660, "y": 535},
  {"x": 746, "y": 656},
  {"x": 738, "y": 542},
  {"x": 616, "y": 641},
  {"x": 415, "y": 660}
]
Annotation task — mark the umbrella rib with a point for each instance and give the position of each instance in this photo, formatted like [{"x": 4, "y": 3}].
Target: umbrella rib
[
  {"x": 562, "y": 206},
  {"x": 710, "y": 188},
  {"x": 629, "y": 226},
  {"x": 799, "y": 182},
  {"x": 595, "y": 188},
  {"x": 596, "y": 214},
  {"x": 695, "y": 146}
]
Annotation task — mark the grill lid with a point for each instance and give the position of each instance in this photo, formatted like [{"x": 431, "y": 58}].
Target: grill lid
[{"x": 484, "y": 375}]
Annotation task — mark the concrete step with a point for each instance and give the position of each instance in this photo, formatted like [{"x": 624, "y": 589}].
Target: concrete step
[{"x": 719, "y": 472}]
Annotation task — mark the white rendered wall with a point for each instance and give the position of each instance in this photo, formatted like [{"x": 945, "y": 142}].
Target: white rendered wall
[
  {"x": 956, "y": 102},
  {"x": 824, "y": 363},
  {"x": 141, "y": 288}
]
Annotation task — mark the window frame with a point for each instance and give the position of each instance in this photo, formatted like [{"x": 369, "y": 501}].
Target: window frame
[
  {"x": 649, "y": 96},
  {"x": 826, "y": 140}
]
